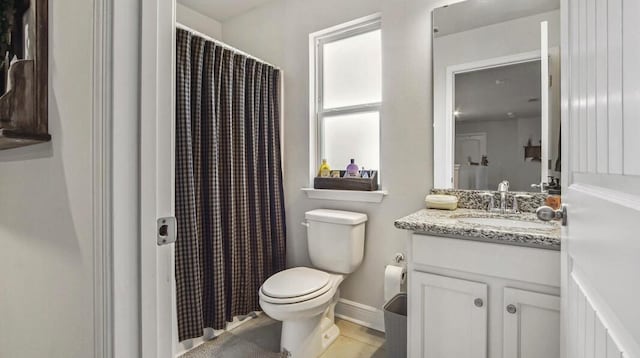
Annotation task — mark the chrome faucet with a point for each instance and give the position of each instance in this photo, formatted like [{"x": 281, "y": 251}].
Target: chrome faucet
[{"x": 503, "y": 189}]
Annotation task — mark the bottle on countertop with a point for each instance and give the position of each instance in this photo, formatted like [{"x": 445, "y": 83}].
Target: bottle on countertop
[
  {"x": 364, "y": 173},
  {"x": 325, "y": 170},
  {"x": 553, "y": 201},
  {"x": 352, "y": 169}
]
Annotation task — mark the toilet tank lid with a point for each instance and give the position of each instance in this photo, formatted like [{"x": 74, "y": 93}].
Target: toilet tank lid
[{"x": 335, "y": 216}]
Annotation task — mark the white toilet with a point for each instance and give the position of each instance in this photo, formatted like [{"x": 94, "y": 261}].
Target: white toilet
[{"x": 304, "y": 298}]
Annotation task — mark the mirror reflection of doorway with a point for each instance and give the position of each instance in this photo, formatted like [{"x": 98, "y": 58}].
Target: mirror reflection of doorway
[
  {"x": 470, "y": 147},
  {"x": 469, "y": 151},
  {"x": 497, "y": 114}
]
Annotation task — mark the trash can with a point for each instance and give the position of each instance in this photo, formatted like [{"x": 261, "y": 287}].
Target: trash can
[{"x": 395, "y": 326}]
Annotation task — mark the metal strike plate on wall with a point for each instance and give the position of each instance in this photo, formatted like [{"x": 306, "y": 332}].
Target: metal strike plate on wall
[{"x": 167, "y": 230}]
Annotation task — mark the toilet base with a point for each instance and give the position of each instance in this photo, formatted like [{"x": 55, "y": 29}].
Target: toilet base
[{"x": 310, "y": 337}]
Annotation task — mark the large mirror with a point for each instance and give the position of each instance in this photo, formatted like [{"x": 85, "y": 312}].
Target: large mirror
[{"x": 496, "y": 71}]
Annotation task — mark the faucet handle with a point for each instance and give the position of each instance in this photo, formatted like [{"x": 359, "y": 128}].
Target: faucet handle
[
  {"x": 491, "y": 203},
  {"x": 515, "y": 205},
  {"x": 542, "y": 186}
]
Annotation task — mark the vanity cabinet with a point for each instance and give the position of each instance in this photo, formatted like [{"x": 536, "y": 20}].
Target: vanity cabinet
[
  {"x": 482, "y": 300},
  {"x": 531, "y": 324},
  {"x": 452, "y": 316}
]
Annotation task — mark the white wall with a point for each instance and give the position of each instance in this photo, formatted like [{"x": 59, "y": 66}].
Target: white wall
[
  {"x": 498, "y": 40},
  {"x": 278, "y": 32},
  {"x": 46, "y": 250},
  {"x": 505, "y": 150},
  {"x": 199, "y": 22}
]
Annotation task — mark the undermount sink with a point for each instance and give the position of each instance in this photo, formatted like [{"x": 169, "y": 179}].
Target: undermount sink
[{"x": 510, "y": 223}]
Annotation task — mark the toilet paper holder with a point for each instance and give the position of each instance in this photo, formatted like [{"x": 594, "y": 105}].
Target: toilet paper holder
[{"x": 398, "y": 258}]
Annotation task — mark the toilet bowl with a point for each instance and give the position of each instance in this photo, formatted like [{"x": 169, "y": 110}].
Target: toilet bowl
[
  {"x": 304, "y": 298},
  {"x": 308, "y": 326}
]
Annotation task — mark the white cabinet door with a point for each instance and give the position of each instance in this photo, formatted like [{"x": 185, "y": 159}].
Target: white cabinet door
[
  {"x": 449, "y": 317},
  {"x": 531, "y": 325}
]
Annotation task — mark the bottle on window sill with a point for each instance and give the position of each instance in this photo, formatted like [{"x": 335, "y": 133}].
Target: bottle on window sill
[
  {"x": 352, "y": 169},
  {"x": 325, "y": 170}
]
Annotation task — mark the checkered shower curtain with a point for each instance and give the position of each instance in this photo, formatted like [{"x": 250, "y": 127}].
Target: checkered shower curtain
[{"x": 229, "y": 194}]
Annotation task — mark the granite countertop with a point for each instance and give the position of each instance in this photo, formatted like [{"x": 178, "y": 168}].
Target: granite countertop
[{"x": 448, "y": 223}]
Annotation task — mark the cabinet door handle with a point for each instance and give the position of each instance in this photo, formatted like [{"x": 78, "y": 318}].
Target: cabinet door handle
[
  {"x": 478, "y": 302},
  {"x": 512, "y": 309}
]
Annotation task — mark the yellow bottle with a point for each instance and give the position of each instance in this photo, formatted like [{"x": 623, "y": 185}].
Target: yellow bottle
[{"x": 325, "y": 170}]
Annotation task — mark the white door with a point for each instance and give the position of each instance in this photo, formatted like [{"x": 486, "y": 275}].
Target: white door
[
  {"x": 450, "y": 317},
  {"x": 601, "y": 177},
  {"x": 531, "y": 324},
  {"x": 157, "y": 178},
  {"x": 470, "y": 147}
]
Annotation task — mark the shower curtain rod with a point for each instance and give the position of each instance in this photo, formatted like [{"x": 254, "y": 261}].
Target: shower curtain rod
[{"x": 206, "y": 37}]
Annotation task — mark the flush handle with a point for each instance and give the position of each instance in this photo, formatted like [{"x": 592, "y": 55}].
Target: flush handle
[{"x": 546, "y": 213}]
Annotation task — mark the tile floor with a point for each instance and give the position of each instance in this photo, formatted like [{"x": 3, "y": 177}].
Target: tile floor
[
  {"x": 356, "y": 342},
  {"x": 260, "y": 337}
]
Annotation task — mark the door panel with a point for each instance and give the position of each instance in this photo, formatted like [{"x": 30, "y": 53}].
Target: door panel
[
  {"x": 631, "y": 85},
  {"x": 601, "y": 177},
  {"x": 589, "y": 336},
  {"x": 605, "y": 252},
  {"x": 613, "y": 85},
  {"x": 532, "y": 328},
  {"x": 451, "y": 317}
]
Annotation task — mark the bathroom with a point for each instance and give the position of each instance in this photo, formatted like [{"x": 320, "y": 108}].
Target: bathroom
[{"x": 490, "y": 213}]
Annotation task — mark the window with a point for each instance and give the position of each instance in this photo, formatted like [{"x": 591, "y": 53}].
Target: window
[{"x": 347, "y": 94}]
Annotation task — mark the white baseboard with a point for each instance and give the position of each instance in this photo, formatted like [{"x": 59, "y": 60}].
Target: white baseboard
[{"x": 361, "y": 314}]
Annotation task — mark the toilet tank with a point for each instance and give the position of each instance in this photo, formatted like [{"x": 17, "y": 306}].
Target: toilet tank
[{"x": 335, "y": 239}]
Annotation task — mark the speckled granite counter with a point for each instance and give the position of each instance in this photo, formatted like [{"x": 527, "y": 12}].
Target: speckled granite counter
[{"x": 452, "y": 224}]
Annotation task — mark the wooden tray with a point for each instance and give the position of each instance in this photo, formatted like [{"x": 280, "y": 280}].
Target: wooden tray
[{"x": 364, "y": 184}]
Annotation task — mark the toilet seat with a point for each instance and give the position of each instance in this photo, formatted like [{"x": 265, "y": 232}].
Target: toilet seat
[{"x": 295, "y": 285}]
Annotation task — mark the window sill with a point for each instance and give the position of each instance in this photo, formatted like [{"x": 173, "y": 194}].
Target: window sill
[{"x": 346, "y": 195}]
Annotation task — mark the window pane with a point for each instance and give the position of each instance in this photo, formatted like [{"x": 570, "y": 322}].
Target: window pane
[
  {"x": 352, "y": 70},
  {"x": 354, "y": 136}
]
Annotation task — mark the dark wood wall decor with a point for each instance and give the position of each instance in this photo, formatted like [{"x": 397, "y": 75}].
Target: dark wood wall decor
[
  {"x": 533, "y": 151},
  {"x": 24, "y": 60}
]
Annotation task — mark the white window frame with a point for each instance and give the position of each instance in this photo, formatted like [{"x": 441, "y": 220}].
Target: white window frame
[{"x": 317, "y": 113}]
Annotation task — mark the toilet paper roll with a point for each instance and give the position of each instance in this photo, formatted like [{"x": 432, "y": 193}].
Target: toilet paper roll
[{"x": 394, "y": 277}]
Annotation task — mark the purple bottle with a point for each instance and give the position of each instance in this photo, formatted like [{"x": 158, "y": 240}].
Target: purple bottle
[{"x": 352, "y": 169}]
